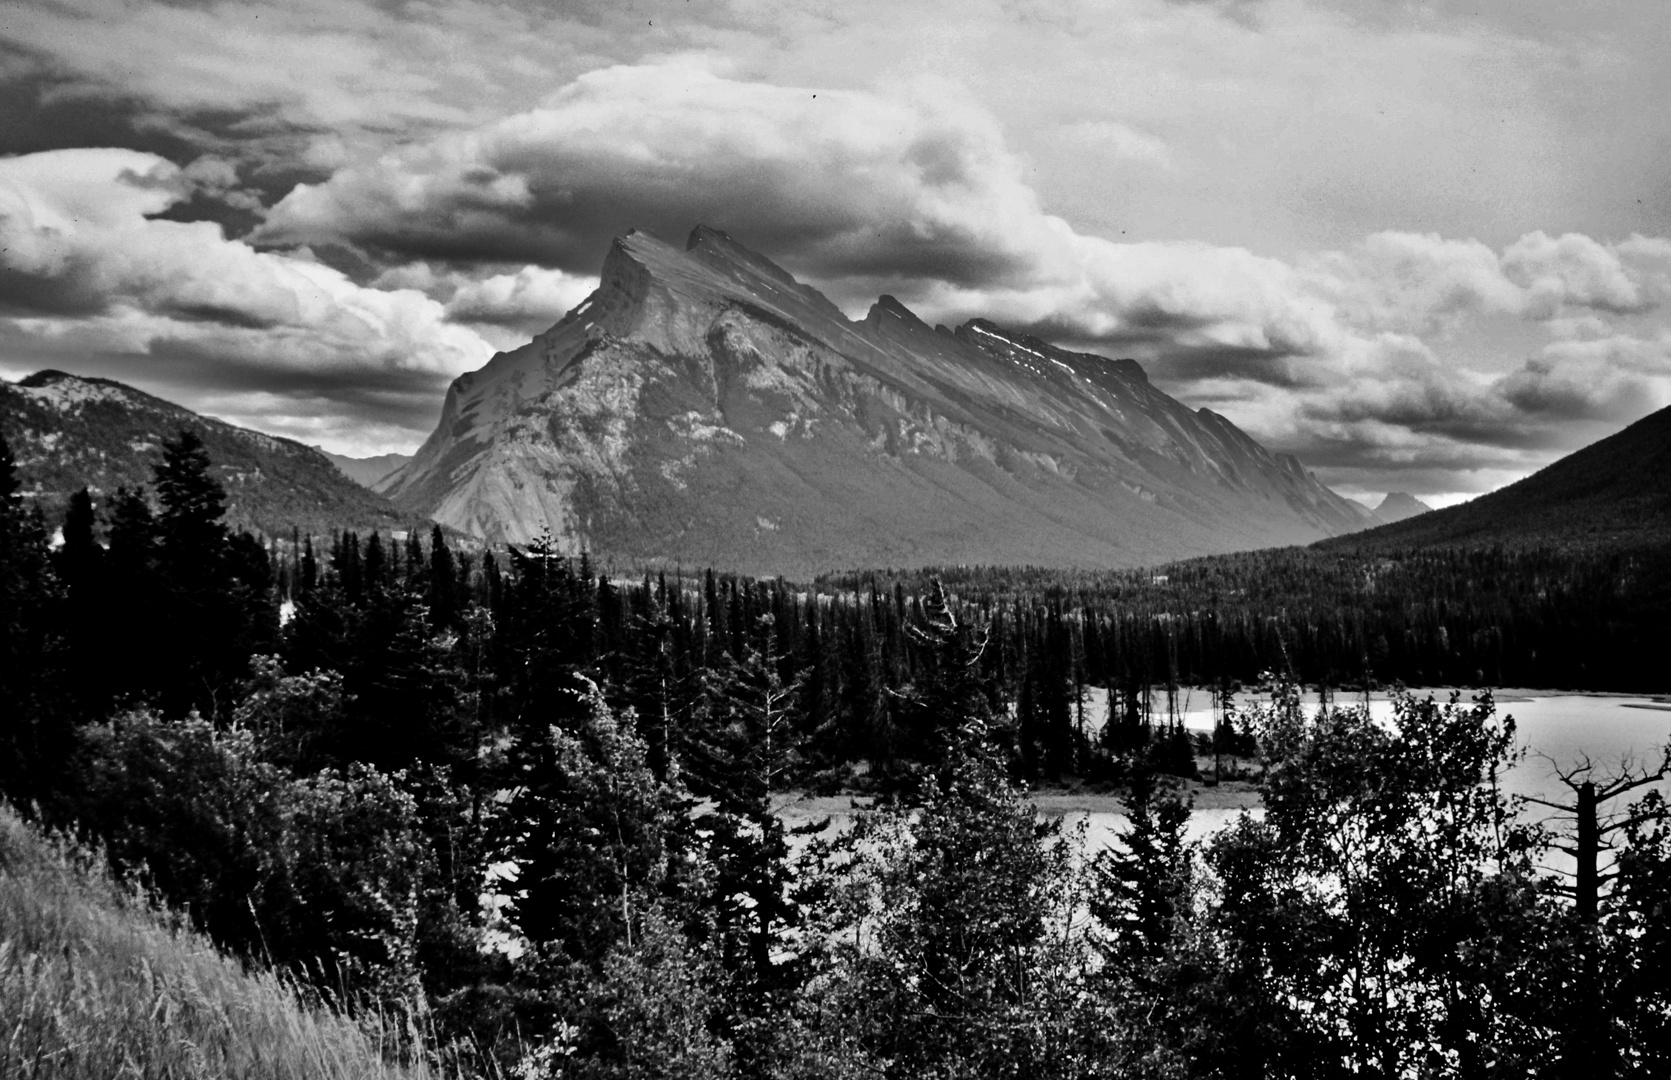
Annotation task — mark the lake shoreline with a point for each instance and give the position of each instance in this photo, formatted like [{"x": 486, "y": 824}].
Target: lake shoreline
[{"x": 1049, "y": 801}]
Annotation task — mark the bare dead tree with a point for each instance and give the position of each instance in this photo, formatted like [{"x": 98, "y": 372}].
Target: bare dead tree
[{"x": 1589, "y": 829}]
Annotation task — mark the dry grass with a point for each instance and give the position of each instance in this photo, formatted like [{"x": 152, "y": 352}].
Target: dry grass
[{"x": 96, "y": 985}]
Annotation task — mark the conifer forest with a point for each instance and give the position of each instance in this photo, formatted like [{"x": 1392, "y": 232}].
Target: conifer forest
[{"x": 529, "y": 806}]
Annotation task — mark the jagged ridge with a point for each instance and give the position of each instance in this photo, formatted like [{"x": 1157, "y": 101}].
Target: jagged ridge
[{"x": 702, "y": 406}]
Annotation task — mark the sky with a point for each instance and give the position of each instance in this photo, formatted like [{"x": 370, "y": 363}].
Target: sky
[{"x": 1423, "y": 247}]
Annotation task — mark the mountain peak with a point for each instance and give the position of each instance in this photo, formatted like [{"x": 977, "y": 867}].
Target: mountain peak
[
  {"x": 716, "y": 249},
  {"x": 62, "y": 390},
  {"x": 704, "y": 234},
  {"x": 45, "y": 377},
  {"x": 1399, "y": 505},
  {"x": 887, "y": 306}
]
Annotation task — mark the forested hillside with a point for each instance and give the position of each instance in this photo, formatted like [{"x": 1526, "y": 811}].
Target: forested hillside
[
  {"x": 1556, "y": 617},
  {"x": 68, "y": 432},
  {"x": 532, "y": 810},
  {"x": 1613, "y": 493}
]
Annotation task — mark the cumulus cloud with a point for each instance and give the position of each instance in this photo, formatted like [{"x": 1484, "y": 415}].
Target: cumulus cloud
[
  {"x": 86, "y": 266},
  {"x": 916, "y": 191},
  {"x": 524, "y": 301},
  {"x": 1122, "y": 141},
  {"x": 1421, "y": 281},
  {"x": 1613, "y": 378},
  {"x": 915, "y": 186},
  {"x": 469, "y": 204},
  {"x": 1413, "y": 281},
  {"x": 851, "y": 181},
  {"x": 1572, "y": 270}
]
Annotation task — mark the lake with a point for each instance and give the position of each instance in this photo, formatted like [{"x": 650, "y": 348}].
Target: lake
[{"x": 1557, "y": 730}]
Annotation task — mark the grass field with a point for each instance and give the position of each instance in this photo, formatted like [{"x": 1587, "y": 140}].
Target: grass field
[{"x": 95, "y": 984}]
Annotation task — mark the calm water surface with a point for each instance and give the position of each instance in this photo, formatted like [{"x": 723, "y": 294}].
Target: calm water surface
[{"x": 1557, "y": 731}]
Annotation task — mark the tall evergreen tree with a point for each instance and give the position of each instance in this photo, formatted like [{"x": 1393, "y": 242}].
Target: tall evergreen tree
[
  {"x": 136, "y": 597},
  {"x": 80, "y": 563},
  {"x": 210, "y": 587},
  {"x": 34, "y": 739},
  {"x": 948, "y": 701},
  {"x": 1142, "y": 886},
  {"x": 443, "y": 580},
  {"x": 746, "y": 756}
]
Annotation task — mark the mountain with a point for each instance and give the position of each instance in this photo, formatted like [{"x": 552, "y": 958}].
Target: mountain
[
  {"x": 1397, "y": 506},
  {"x": 1613, "y": 493},
  {"x": 703, "y": 407},
  {"x": 67, "y": 432},
  {"x": 366, "y": 471}
]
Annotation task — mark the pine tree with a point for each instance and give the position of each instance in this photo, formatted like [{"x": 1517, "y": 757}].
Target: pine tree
[
  {"x": 80, "y": 564},
  {"x": 746, "y": 755},
  {"x": 954, "y": 968},
  {"x": 443, "y": 580},
  {"x": 193, "y": 503},
  {"x": 948, "y": 701},
  {"x": 34, "y": 741},
  {"x": 1142, "y": 887},
  {"x": 213, "y": 621},
  {"x": 136, "y": 596},
  {"x": 590, "y": 829}
]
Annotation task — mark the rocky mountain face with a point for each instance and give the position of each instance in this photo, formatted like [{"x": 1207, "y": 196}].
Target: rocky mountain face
[
  {"x": 1399, "y": 505},
  {"x": 68, "y": 432},
  {"x": 366, "y": 471},
  {"x": 1614, "y": 493},
  {"x": 703, "y": 407}
]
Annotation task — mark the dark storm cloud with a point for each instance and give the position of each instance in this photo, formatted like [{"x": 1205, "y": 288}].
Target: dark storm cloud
[
  {"x": 304, "y": 403},
  {"x": 836, "y": 184},
  {"x": 1617, "y": 379},
  {"x": 1429, "y": 409},
  {"x": 70, "y": 291},
  {"x": 1186, "y": 364},
  {"x": 1173, "y": 350},
  {"x": 390, "y": 396},
  {"x": 36, "y": 114},
  {"x": 1144, "y": 325}
]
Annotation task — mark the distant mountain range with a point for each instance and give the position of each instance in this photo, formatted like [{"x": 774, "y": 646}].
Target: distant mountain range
[
  {"x": 68, "y": 432},
  {"x": 703, "y": 407},
  {"x": 366, "y": 471},
  {"x": 794, "y": 458},
  {"x": 1615, "y": 492}
]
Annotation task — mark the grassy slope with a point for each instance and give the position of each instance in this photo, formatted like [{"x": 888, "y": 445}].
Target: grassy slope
[{"x": 95, "y": 985}]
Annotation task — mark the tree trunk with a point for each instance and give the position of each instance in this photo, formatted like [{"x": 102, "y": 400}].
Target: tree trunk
[{"x": 1587, "y": 885}]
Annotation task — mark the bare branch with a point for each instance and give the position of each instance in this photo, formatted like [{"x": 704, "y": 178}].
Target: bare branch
[
  {"x": 1546, "y": 802},
  {"x": 1633, "y": 819}
]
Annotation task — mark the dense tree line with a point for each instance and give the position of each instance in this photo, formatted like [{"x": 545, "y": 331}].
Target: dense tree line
[
  {"x": 533, "y": 808},
  {"x": 1580, "y": 617}
]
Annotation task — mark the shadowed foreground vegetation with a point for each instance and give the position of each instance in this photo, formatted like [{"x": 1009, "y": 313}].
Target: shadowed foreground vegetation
[
  {"x": 96, "y": 983},
  {"x": 529, "y": 812}
]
